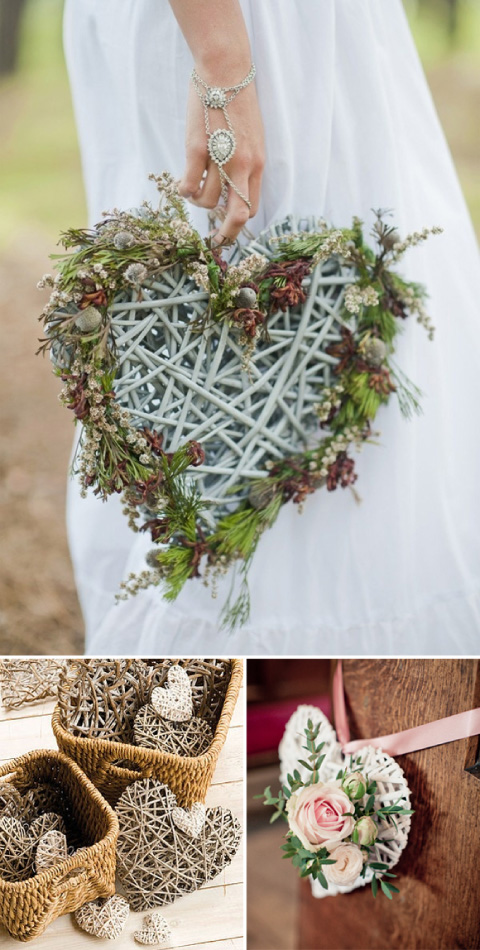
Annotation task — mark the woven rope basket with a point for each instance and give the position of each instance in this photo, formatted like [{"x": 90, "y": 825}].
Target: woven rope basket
[
  {"x": 191, "y": 385},
  {"x": 114, "y": 764},
  {"x": 27, "y": 907}
]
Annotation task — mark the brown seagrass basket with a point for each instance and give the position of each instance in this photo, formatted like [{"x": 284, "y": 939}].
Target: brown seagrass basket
[
  {"x": 99, "y": 698},
  {"x": 27, "y": 907}
]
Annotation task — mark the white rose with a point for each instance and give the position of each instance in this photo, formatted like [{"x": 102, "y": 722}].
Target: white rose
[{"x": 348, "y": 864}]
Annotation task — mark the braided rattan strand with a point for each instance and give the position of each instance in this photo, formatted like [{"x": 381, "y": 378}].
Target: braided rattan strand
[
  {"x": 27, "y": 907},
  {"x": 188, "y": 777}
]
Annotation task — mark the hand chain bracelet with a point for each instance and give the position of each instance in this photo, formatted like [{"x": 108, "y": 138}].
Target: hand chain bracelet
[{"x": 221, "y": 143}]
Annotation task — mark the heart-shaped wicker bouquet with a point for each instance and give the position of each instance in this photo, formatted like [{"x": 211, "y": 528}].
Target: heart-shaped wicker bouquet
[{"x": 211, "y": 393}]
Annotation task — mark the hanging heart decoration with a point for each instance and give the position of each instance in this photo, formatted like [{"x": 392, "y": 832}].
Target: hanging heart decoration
[
  {"x": 157, "y": 862},
  {"x": 348, "y": 818}
]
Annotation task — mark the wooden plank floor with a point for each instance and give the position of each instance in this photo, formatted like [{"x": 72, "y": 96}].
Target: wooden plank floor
[{"x": 209, "y": 919}]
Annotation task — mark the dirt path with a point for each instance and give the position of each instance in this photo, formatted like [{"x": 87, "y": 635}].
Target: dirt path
[{"x": 39, "y": 612}]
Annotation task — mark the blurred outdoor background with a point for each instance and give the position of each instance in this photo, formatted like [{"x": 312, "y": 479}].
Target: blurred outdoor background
[{"x": 41, "y": 194}]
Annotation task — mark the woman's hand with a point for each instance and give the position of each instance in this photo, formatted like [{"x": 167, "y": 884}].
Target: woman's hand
[
  {"x": 201, "y": 180},
  {"x": 216, "y": 34}
]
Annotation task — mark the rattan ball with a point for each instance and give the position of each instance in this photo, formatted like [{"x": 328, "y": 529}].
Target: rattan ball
[
  {"x": 11, "y": 803},
  {"x": 16, "y": 850},
  {"x": 104, "y": 918},
  {"x": 190, "y": 738},
  {"x": 49, "y": 821},
  {"x": 43, "y": 798},
  {"x": 156, "y": 861},
  {"x": 190, "y": 385},
  {"x": 28, "y": 681}
]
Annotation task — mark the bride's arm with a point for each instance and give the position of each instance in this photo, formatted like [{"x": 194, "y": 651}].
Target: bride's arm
[{"x": 216, "y": 34}]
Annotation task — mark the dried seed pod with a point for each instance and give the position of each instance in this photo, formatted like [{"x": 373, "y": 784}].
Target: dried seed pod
[
  {"x": 88, "y": 320},
  {"x": 246, "y": 297},
  {"x": 375, "y": 351}
]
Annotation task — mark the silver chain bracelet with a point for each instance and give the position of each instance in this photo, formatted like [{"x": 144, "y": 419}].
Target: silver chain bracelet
[{"x": 221, "y": 143}]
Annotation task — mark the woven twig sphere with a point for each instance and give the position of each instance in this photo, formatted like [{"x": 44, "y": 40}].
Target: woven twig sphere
[
  {"x": 11, "y": 803},
  {"x": 46, "y": 822},
  {"x": 51, "y": 849},
  {"x": 44, "y": 798},
  {"x": 104, "y": 918},
  {"x": 101, "y": 698},
  {"x": 190, "y": 385},
  {"x": 157, "y": 862},
  {"x": 16, "y": 850},
  {"x": 156, "y": 930},
  {"x": 376, "y": 766},
  {"x": 190, "y": 738},
  {"x": 28, "y": 681}
]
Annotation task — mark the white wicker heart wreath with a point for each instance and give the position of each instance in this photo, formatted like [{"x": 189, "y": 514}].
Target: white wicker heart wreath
[
  {"x": 210, "y": 394},
  {"x": 367, "y": 790}
]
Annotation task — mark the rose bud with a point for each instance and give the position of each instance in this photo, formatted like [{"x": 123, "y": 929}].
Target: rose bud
[
  {"x": 365, "y": 831},
  {"x": 354, "y": 785}
]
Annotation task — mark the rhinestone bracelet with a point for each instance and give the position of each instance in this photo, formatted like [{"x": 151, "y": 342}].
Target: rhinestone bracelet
[{"x": 221, "y": 143}]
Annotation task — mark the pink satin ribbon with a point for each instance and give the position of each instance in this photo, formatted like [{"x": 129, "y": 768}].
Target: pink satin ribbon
[{"x": 460, "y": 726}]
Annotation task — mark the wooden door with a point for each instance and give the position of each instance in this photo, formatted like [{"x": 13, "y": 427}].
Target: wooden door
[{"x": 439, "y": 873}]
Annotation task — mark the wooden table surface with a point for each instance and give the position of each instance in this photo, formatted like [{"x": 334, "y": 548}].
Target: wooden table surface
[{"x": 209, "y": 919}]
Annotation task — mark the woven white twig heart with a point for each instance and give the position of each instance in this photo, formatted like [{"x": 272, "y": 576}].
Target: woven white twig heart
[
  {"x": 156, "y": 930},
  {"x": 156, "y": 862},
  {"x": 190, "y": 820},
  {"x": 174, "y": 700},
  {"x": 51, "y": 850},
  {"x": 376, "y": 766},
  {"x": 104, "y": 918},
  {"x": 191, "y": 737},
  {"x": 187, "y": 385}
]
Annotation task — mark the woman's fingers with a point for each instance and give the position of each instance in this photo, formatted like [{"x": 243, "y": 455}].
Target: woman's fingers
[
  {"x": 209, "y": 194},
  {"x": 237, "y": 214},
  {"x": 190, "y": 183},
  {"x": 254, "y": 186}
]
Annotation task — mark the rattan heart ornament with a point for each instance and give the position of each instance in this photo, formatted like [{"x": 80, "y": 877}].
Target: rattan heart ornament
[
  {"x": 174, "y": 700},
  {"x": 191, "y": 737},
  {"x": 104, "y": 918},
  {"x": 156, "y": 861},
  {"x": 51, "y": 850},
  {"x": 376, "y": 766},
  {"x": 190, "y": 820},
  {"x": 156, "y": 930}
]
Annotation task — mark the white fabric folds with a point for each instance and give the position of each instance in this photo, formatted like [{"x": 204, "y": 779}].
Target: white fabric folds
[{"x": 350, "y": 126}]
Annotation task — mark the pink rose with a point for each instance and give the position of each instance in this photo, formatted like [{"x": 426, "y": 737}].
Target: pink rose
[
  {"x": 320, "y": 815},
  {"x": 348, "y": 864}
]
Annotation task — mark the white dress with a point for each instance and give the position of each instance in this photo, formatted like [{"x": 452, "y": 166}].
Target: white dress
[{"x": 350, "y": 126}]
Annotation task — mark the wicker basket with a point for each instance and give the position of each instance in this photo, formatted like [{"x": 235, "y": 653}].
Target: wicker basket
[
  {"x": 27, "y": 907},
  {"x": 113, "y": 765}
]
